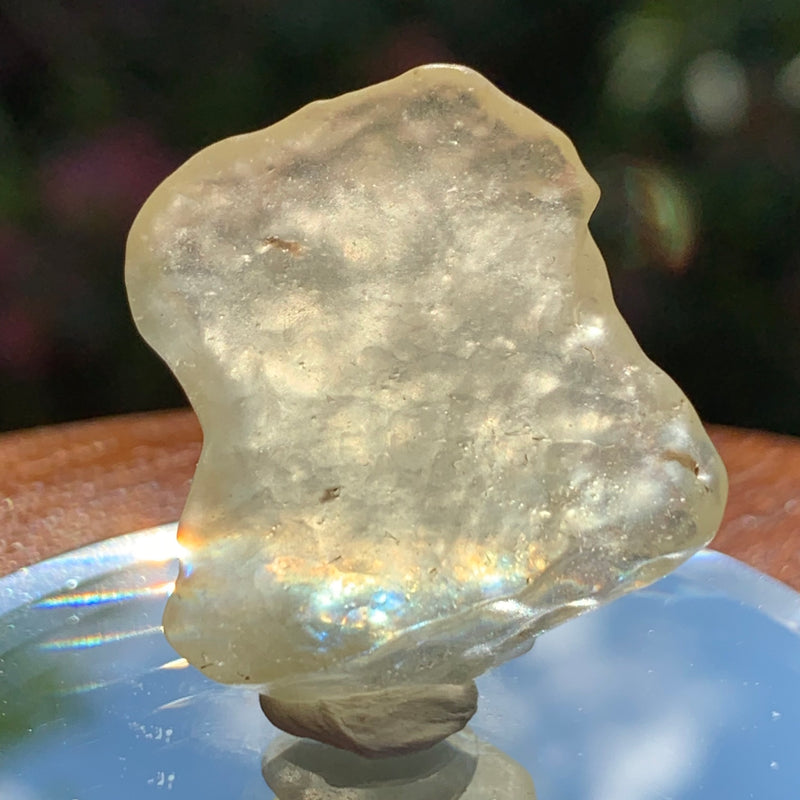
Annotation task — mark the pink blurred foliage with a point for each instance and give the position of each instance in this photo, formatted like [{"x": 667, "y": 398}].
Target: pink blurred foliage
[
  {"x": 24, "y": 342},
  {"x": 17, "y": 257},
  {"x": 408, "y": 46},
  {"x": 24, "y": 335},
  {"x": 100, "y": 182}
]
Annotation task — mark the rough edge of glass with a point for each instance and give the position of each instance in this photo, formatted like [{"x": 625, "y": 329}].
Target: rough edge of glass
[{"x": 718, "y": 573}]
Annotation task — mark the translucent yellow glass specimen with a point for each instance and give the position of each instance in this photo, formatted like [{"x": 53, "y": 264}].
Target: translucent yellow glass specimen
[{"x": 429, "y": 434}]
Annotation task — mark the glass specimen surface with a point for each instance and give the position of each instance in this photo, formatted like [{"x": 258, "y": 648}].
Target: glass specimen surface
[{"x": 429, "y": 436}]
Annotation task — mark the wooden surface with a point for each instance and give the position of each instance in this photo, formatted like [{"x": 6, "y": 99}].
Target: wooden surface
[{"x": 66, "y": 486}]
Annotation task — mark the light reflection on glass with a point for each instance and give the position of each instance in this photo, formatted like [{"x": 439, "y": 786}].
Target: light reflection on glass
[
  {"x": 77, "y": 599},
  {"x": 80, "y": 642},
  {"x": 176, "y": 663}
]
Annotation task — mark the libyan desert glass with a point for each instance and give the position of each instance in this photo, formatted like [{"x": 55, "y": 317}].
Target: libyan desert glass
[
  {"x": 686, "y": 690},
  {"x": 428, "y": 434}
]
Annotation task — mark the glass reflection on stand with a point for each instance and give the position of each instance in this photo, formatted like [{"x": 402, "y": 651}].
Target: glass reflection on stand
[
  {"x": 461, "y": 768},
  {"x": 684, "y": 690}
]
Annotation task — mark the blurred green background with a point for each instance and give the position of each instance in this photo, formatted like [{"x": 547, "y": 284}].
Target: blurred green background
[{"x": 686, "y": 112}]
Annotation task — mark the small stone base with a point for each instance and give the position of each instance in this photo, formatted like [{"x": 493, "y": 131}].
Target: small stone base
[{"x": 379, "y": 723}]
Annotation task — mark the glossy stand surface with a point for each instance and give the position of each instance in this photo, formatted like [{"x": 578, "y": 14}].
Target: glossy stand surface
[{"x": 685, "y": 690}]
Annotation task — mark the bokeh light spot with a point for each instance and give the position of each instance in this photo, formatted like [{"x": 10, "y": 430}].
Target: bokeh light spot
[{"x": 715, "y": 92}]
